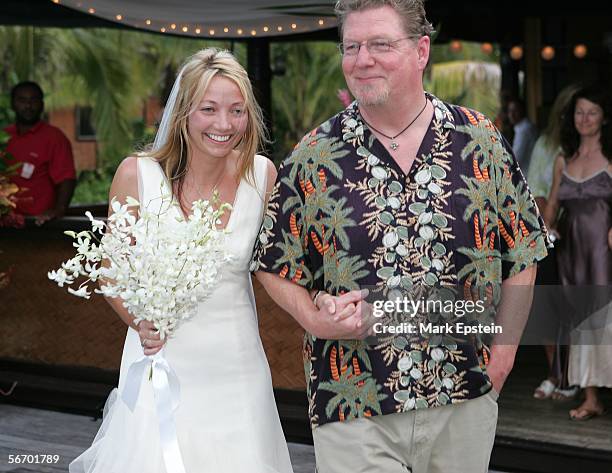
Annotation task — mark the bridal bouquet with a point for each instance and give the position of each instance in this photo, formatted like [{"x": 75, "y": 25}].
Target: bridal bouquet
[
  {"x": 159, "y": 270},
  {"x": 161, "y": 266}
]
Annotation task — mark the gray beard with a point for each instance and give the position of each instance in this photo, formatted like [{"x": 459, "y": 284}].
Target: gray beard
[{"x": 370, "y": 100}]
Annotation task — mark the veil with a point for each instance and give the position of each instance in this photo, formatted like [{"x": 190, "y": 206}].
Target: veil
[{"x": 162, "y": 132}]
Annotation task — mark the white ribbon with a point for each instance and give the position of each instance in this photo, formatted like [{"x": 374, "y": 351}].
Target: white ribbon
[{"x": 166, "y": 389}]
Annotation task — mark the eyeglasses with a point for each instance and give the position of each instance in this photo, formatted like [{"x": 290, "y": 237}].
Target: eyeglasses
[{"x": 374, "y": 46}]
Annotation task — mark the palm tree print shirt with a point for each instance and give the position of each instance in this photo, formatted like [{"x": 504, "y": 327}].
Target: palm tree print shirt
[{"x": 343, "y": 216}]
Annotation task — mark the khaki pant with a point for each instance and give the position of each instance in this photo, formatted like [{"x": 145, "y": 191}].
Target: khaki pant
[{"x": 456, "y": 438}]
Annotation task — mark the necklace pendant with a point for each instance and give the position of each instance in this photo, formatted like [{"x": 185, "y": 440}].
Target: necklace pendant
[{"x": 394, "y": 145}]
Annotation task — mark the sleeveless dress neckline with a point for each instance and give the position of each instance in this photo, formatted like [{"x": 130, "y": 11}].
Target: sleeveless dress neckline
[
  {"x": 168, "y": 188},
  {"x": 580, "y": 181}
]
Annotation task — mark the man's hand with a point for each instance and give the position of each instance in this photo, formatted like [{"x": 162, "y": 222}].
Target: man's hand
[
  {"x": 512, "y": 313},
  {"x": 498, "y": 369},
  {"x": 64, "y": 191}
]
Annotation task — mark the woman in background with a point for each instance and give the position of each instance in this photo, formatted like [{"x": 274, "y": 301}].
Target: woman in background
[{"x": 582, "y": 189}]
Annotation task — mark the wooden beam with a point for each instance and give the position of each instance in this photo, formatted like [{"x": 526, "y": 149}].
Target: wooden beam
[
  {"x": 258, "y": 67},
  {"x": 533, "y": 67}
]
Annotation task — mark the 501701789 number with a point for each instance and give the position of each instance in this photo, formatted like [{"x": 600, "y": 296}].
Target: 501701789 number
[{"x": 36, "y": 458}]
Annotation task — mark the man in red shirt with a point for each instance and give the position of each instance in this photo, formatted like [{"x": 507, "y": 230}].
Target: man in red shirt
[{"x": 47, "y": 173}]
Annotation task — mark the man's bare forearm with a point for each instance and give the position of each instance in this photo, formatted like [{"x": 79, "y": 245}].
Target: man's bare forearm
[
  {"x": 296, "y": 301},
  {"x": 290, "y": 297},
  {"x": 516, "y": 299}
]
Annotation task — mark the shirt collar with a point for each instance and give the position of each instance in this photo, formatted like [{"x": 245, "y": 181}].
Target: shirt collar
[
  {"x": 441, "y": 113},
  {"x": 12, "y": 129}
]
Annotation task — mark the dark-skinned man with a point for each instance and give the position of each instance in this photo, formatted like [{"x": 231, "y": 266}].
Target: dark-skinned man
[{"x": 47, "y": 174}]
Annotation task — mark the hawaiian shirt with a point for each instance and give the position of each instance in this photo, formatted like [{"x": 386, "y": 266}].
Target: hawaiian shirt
[{"x": 343, "y": 216}]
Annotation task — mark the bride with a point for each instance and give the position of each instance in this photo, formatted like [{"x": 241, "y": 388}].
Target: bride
[{"x": 226, "y": 420}]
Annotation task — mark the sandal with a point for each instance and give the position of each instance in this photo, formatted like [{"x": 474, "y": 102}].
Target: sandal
[
  {"x": 568, "y": 394},
  {"x": 582, "y": 413},
  {"x": 544, "y": 390}
]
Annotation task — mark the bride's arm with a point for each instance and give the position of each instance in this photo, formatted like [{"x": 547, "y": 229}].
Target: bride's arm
[{"x": 125, "y": 183}]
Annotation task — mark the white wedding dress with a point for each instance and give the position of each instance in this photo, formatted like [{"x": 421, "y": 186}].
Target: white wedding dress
[{"x": 227, "y": 421}]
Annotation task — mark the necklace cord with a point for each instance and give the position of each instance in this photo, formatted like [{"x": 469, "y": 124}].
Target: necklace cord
[
  {"x": 197, "y": 189},
  {"x": 405, "y": 128}
]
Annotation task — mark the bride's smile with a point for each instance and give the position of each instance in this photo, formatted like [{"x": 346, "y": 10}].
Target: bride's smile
[{"x": 219, "y": 121}]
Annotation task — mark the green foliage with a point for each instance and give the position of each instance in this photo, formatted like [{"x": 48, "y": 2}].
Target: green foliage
[
  {"x": 93, "y": 186},
  {"x": 469, "y": 83},
  {"x": 305, "y": 95},
  {"x": 6, "y": 113},
  {"x": 468, "y": 77}
]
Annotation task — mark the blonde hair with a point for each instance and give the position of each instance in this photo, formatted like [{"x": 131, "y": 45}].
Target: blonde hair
[
  {"x": 195, "y": 77},
  {"x": 552, "y": 132}
]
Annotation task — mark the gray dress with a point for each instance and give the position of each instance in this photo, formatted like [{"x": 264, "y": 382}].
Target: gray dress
[{"x": 585, "y": 270}]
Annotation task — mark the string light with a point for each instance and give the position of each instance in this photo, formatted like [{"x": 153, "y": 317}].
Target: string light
[
  {"x": 265, "y": 29},
  {"x": 548, "y": 52},
  {"x": 455, "y": 46},
  {"x": 486, "y": 48},
  {"x": 56, "y": 1},
  {"x": 580, "y": 51},
  {"x": 516, "y": 52}
]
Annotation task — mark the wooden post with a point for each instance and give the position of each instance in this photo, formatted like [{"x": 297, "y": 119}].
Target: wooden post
[
  {"x": 510, "y": 72},
  {"x": 533, "y": 67},
  {"x": 258, "y": 66}
]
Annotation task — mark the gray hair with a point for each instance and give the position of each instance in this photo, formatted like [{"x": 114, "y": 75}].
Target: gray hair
[{"x": 412, "y": 13}]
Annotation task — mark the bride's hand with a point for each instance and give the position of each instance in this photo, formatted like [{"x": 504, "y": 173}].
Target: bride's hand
[{"x": 149, "y": 338}]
